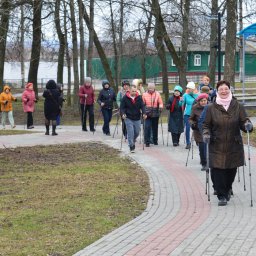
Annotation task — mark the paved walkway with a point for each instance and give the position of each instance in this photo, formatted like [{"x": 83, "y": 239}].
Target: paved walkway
[{"x": 178, "y": 219}]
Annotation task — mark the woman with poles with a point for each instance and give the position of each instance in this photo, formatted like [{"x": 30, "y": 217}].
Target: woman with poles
[
  {"x": 106, "y": 100},
  {"x": 175, "y": 121},
  {"x": 221, "y": 131},
  {"x": 28, "y": 101},
  {"x": 197, "y": 109}
]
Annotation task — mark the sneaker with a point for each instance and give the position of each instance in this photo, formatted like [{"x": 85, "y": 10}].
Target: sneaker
[
  {"x": 188, "y": 146},
  {"x": 30, "y": 127},
  {"x": 147, "y": 145},
  {"x": 222, "y": 202},
  {"x": 108, "y": 134},
  {"x": 175, "y": 144},
  {"x": 85, "y": 130},
  {"x": 132, "y": 149},
  {"x": 156, "y": 143},
  {"x": 13, "y": 126},
  {"x": 204, "y": 168},
  {"x": 92, "y": 130},
  {"x": 215, "y": 192}
]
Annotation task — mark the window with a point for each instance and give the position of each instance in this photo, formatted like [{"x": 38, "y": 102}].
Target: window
[
  {"x": 173, "y": 64},
  {"x": 223, "y": 60},
  {"x": 208, "y": 59},
  {"x": 197, "y": 60}
]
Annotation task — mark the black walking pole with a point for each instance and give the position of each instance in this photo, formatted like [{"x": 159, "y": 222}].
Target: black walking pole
[
  {"x": 189, "y": 150},
  {"x": 207, "y": 170},
  {"x": 122, "y": 135},
  {"x": 168, "y": 119},
  {"x": 83, "y": 117},
  {"x": 192, "y": 145},
  {"x": 117, "y": 120},
  {"x": 98, "y": 117},
  {"x": 244, "y": 179},
  {"x": 161, "y": 121},
  {"x": 238, "y": 175},
  {"x": 143, "y": 134},
  {"x": 249, "y": 164}
]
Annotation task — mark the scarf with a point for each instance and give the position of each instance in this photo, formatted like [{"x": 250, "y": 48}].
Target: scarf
[
  {"x": 224, "y": 102},
  {"x": 175, "y": 98}
]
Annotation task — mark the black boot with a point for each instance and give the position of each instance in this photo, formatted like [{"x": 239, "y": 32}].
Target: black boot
[
  {"x": 47, "y": 129},
  {"x": 54, "y": 130}
]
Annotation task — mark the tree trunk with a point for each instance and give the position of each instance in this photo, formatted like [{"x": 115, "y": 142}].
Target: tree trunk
[
  {"x": 213, "y": 42},
  {"x": 158, "y": 39},
  {"x": 61, "y": 37},
  {"x": 241, "y": 75},
  {"x": 75, "y": 56},
  {"x": 67, "y": 56},
  {"x": 81, "y": 33},
  {"x": 36, "y": 44},
  {"x": 100, "y": 49},
  {"x": 91, "y": 35},
  {"x": 22, "y": 32},
  {"x": 5, "y": 7},
  {"x": 230, "y": 47}
]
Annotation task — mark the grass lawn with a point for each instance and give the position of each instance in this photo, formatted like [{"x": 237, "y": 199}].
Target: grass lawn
[{"x": 55, "y": 200}]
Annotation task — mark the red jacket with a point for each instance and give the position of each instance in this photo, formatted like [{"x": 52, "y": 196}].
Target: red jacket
[{"x": 84, "y": 89}]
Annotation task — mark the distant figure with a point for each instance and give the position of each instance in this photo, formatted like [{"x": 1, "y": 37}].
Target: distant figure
[
  {"x": 62, "y": 99},
  {"x": 87, "y": 99},
  {"x": 51, "y": 106},
  {"x": 175, "y": 124},
  {"x": 106, "y": 99},
  {"x": 28, "y": 102},
  {"x": 6, "y": 99}
]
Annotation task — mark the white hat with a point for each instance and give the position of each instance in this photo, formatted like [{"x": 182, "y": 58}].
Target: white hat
[
  {"x": 191, "y": 85},
  {"x": 87, "y": 80},
  {"x": 135, "y": 82}
]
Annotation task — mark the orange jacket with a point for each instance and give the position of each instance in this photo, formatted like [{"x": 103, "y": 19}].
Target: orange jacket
[
  {"x": 152, "y": 100},
  {"x": 6, "y": 97}
]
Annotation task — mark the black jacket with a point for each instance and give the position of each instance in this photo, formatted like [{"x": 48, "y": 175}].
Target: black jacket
[
  {"x": 132, "y": 108},
  {"x": 108, "y": 97}
]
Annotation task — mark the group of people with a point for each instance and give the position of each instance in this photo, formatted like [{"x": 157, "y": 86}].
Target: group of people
[{"x": 214, "y": 115}]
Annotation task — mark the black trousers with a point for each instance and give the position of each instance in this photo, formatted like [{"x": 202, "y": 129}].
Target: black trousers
[
  {"x": 223, "y": 180},
  {"x": 202, "y": 153},
  {"x": 151, "y": 123},
  {"x": 29, "y": 119},
  {"x": 84, "y": 110},
  {"x": 176, "y": 138}
]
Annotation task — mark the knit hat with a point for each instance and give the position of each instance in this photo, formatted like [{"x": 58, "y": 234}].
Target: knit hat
[
  {"x": 205, "y": 89},
  {"x": 135, "y": 82},
  {"x": 125, "y": 82},
  {"x": 28, "y": 85},
  {"x": 178, "y": 88},
  {"x": 191, "y": 85},
  {"x": 104, "y": 82},
  {"x": 202, "y": 96},
  {"x": 87, "y": 80}
]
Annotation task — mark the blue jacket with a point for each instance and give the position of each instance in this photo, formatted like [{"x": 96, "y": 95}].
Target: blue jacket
[{"x": 188, "y": 101}]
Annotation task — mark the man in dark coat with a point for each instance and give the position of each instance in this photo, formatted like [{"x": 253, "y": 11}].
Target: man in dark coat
[{"x": 51, "y": 106}]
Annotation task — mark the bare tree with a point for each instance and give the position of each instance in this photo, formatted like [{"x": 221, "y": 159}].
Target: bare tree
[
  {"x": 75, "y": 55},
  {"x": 36, "y": 44},
  {"x": 230, "y": 47},
  {"x": 91, "y": 35},
  {"x": 61, "y": 38},
  {"x": 22, "y": 33},
  {"x": 82, "y": 45},
  {"x": 4, "y": 23}
]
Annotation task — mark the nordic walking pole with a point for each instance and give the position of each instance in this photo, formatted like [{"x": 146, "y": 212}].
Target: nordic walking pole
[
  {"x": 84, "y": 113},
  {"x": 143, "y": 129},
  {"x": 208, "y": 170},
  {"x": 192, "y": 145},
  {"x": 122, "y": 134},
  {"x": 244, "y": 179},
  {"x": 167, "y": 128},
  {"x": 189, "y": 151},
  {"x": 117, "y": 119},
  {"x": 238, "y": 175},
  {"x": 161, "y": 120},
  {"x": 98, "y": 117},
  {"x": 249, "y": 164}
]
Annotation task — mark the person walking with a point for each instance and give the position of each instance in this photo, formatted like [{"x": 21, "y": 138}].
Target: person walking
[
  {"x": 28, "y": 102},
  {"x": 6, "y": 99},
  {"x": 197, "y": 109},
  {"x": 62, "y": 99},
  {"x": 106, "y": 99},
  {"x": 221, "y": 130},
  {"x": 154, "y": 105},
  {"x": 125, "y": 88},
  {"x": 87, "y": 99},
  {"x": 51, "y": 106},
  {"x": 175, "y": 122},
  {"x": 188, "y": 100},
  {"x": 131, "y": 109}
]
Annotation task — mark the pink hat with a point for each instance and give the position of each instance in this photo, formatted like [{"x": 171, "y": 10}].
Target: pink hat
[{"x": 202, "y": 96}]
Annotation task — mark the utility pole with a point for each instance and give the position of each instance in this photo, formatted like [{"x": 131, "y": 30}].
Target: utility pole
[{"x": 219, "y": 46}]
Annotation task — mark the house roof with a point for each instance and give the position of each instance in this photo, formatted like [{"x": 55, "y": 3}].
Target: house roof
[{"x": 249, "y": 31}]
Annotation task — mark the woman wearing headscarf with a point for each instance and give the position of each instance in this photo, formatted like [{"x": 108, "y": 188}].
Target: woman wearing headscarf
[
  {"x": 51, "y": 106},
  {"x": 221, "y": 130}
]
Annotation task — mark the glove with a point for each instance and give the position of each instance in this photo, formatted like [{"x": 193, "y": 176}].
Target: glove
[
  {"x": 27, "y": 99},
  {"x": 248, "y": 126},
  {"x": 35, "y": 100},
  {"x": 168, "y": 106},
  {"x": 124, "y": 116},
  {"x": 16, "y": 99},
  {"x": 6, "y": 102},
  {"x": 194, "y": 127},
  {"x": 206, "y": 138}
]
